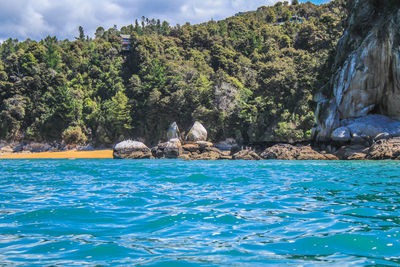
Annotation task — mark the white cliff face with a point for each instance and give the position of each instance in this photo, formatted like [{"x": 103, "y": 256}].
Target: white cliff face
[{"x": 368, "y": 80}]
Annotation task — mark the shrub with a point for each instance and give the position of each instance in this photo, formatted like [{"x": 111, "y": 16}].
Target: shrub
[{"x": 73, "y": 135}]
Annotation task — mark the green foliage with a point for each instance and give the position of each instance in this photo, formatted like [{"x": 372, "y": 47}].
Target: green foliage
[
  {"x": 251, "y": 77},
  {"x": 73, "y": 135}
]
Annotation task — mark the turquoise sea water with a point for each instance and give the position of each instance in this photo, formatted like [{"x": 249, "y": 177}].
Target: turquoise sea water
[{"x": 177, "y": 213}]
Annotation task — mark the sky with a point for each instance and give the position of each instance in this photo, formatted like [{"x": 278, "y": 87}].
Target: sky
[{"x": 35, "y": 19}]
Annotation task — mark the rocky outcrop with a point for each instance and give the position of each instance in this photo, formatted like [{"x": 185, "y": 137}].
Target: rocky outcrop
[
  {"x": 35, "y": 147},
  {"x": 170, "y": 150},
  {"x": 200, "y": 150},
  {"x": 352, "y": 152},
  {"x": 131, "y": 150},
  {"x": 246, "y": 155},
  {"x": 291, "y": 152},
  {"x": 385, "y": 149},
  {"x": 367, "y": 75},
  {"x": 173, "y": 131},
  {"x": 197, "y": 133}
]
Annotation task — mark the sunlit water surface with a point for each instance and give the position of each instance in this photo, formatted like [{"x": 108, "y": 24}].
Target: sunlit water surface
[{"x": 173, "y": 213}]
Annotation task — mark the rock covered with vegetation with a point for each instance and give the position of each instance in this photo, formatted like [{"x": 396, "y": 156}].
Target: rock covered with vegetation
[{"x": 250, "y": 77}]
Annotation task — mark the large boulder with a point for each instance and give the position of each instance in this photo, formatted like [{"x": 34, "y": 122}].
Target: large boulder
[
  {"x": 173, "y": 148},
  {"x": 365, "y": 129},
  {"x": 291, "y": 152},
  {"x": 129, "y": 149},
  {"x": 385, "y": 149},
  {"x": 197, "y": 133},
  {"x": 170, "y": 150},
  {"x": 173, "y": 131}
]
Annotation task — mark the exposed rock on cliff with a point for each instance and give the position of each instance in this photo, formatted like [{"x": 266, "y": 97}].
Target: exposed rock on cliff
[
  {"x": 367, "y": 74},
  {"x": 131, "y": 150}
]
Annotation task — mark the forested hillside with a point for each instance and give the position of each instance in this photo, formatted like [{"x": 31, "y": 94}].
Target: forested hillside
[{"x": 251, "y": 77}]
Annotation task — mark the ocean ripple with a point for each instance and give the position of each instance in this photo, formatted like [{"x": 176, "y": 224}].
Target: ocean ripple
[{"x": 172, "y": 212}]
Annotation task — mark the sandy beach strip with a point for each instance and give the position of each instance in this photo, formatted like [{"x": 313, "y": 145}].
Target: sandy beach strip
[{"x": 70, "y": 154}]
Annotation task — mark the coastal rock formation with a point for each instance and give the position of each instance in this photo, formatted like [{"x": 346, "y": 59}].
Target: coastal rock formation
[
  {"x": 367, "y": 76},
  {"x": 385, "y": 149},
  {"x": 226, "y": 145},
  {"x": 291, "y": 152},
  {"x": 129, "y": 149},
  {"x": 171, "y": 149},
  {"x": 197, "y": 133},
  {"x": 200, "y": 150},
  {"x": 35, "y": 147},
  {"x": 173, "y": 131},
  {"x": 246, "y": 155},
  {"x": 6, "y": 149},
  {"x": 353, "y": 152}
]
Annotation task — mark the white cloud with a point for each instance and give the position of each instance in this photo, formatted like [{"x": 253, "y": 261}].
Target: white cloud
[{"x": 36, "y": 19}]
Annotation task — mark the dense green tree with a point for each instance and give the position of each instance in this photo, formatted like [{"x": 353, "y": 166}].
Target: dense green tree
[{"x": 251, "y": 77}]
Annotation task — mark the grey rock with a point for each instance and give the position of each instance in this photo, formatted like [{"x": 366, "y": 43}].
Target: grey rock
[
  {"x": 171, "y": 149},
  {"x": 197, "y": 133},
  {"x": 226, "y": 145},
  {"x": 37, "y": 147},
  {"x": 173, "y": 131},
  {"x": 382, "y": 136},
  {"x": 129, "y": 149},
  {"x": 341, "y": 134}
]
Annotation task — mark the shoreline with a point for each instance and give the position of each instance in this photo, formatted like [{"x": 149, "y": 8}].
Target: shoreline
[
  {"x": 108, "y": 154},
  {"x": 382, "y": 149},
  {"x": 70, "y": 154}
]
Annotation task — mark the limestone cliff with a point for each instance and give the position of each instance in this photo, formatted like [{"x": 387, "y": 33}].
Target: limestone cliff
[{"x": 366, "y": 72}]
